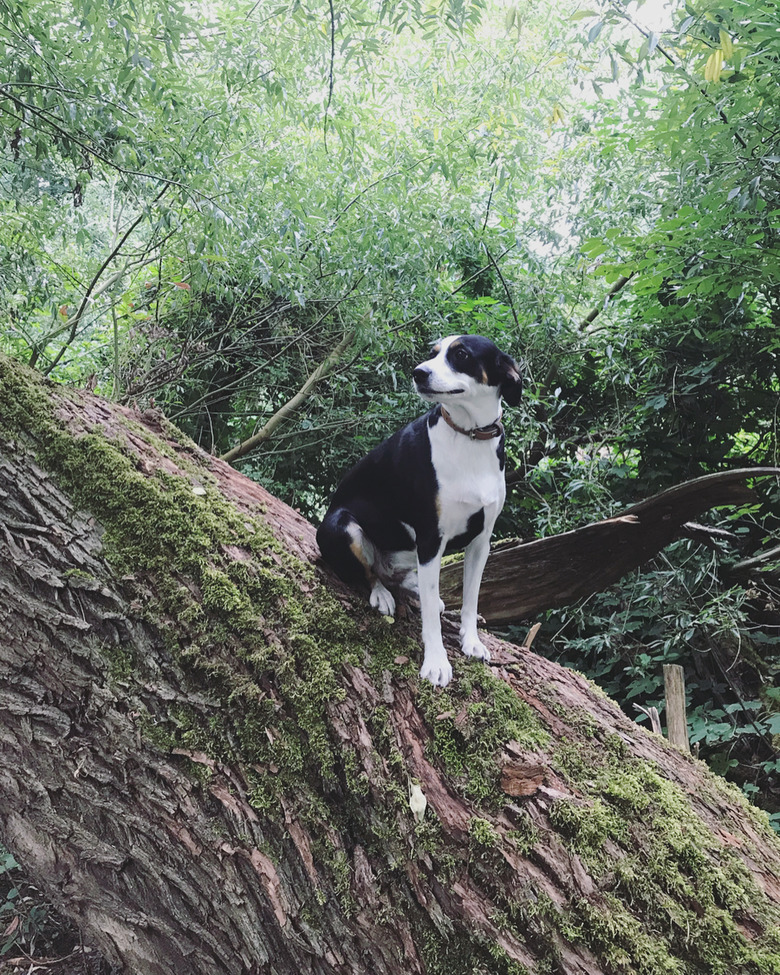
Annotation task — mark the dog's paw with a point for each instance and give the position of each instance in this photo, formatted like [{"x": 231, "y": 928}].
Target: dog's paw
[
  {"x": 472, "y": 646},
  {"x": 437, "y": 670},
  {"x": 382, "y": 599}
]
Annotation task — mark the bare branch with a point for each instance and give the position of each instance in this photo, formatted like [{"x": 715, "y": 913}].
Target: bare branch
[
  {"x": 617, "y": 287},
  {"x": 330, "y": 74},
  {"x": 507, "y": 292},
  {"x": 292, "y": 404},
  {"x": 523, "y": 579},
  {"x": 73, "y": 322}
]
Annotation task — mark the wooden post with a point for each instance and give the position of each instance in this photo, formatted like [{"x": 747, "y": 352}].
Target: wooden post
[{"x": 676, "y": 720}]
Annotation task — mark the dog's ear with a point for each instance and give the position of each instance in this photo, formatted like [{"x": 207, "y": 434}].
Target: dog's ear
[{"x": 512, "y": 381}]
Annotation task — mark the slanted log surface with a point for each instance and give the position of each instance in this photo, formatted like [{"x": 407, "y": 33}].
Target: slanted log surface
[
  {"x": 205, "y": 757},
  {"x": 523, "y": 579}
]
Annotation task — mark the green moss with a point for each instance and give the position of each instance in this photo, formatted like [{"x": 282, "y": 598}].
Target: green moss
[
  {"x": 220, "y": 594},
  {"x": 121, "y": 660},
  {"x": 471, "y": 724},
  {"x": 78, "y": 579},
  {"x": 525, "y": 834},
  {"x": 228, "y": 602},
  {"x": 343, "y": 882},
  {"x": 588, "y": 826},
  {"x": 450, "y": 953},
  {"x": 209, "y": 605},
  {"x": 620, "y": 941},
  {"x": 482, "y": 833},
  {"x": 671, "y": 891},
  {"x": 710, "y": 943}
]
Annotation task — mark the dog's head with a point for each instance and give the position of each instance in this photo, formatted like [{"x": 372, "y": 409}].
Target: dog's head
[{"x": 467, "y": 367}]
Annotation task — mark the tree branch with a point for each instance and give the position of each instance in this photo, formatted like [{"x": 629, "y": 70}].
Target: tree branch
[
  {"x": 523, "y": 579},
  {"x": 617, "y": 287},
  {"x": 207, "y": 743},
  {"x": 330, "y": 76},
  {"x": 292, "y": 404},
  {"x": 507, "y": 292},
  {"x": 487, "y": 208},
  {"x": 73, "y": 323}
]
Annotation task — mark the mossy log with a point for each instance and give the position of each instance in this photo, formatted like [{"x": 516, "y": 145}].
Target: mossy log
[{"x": 207, "y": 746}]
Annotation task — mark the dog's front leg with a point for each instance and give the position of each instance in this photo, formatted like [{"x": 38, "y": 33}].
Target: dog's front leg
[
  {"x": 436, "y": 667},
  {"x": 473, "y": 565}
]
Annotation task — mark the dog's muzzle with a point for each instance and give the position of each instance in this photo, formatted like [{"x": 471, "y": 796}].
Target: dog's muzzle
[{"x": 422, "y": 383}]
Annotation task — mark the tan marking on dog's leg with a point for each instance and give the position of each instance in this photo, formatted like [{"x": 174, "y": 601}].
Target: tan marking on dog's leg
[
  {"x": 358, "y": 548},
  {"x": 358, "y": 551},
  {"x": 380, "y": 597}
]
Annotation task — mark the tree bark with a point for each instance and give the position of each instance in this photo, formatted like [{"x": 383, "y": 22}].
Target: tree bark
[
  {"x": 523, "y": 579},
  {"x": 207, "y": 745}
]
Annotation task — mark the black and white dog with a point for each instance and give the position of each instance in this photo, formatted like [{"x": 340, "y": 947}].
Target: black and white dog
[{"x": 437, "y": 484}]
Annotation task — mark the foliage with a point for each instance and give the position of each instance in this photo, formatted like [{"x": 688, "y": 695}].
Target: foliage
[
  {"x": 697, "y": 357},
  {"x": 27, "y": 923}
]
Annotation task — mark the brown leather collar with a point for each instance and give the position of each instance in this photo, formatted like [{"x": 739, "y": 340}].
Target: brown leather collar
[{"x": 495, "y": 429}]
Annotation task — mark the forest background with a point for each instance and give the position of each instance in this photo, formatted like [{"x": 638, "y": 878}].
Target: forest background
[{"x": 199, "y": 203}]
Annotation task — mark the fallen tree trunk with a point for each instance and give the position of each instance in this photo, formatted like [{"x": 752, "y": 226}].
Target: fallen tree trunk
[
  {"x": 522, "y": 579},
  {"x": 207, "y": 746}
]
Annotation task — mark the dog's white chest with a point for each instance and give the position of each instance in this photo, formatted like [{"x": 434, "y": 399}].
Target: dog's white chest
[{"x": 469, "y": 478}]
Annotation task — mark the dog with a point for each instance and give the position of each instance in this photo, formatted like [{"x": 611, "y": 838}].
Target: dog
[{"x": 436, "y": 485}]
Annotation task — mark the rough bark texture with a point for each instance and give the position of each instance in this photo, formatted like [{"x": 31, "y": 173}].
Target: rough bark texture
[
  {"x": 206, "y": 747},
  {"x": 525, "y": 578}
]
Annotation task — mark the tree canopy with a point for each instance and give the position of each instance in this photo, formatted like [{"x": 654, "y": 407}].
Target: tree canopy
[{"x": 199, "y": 203}]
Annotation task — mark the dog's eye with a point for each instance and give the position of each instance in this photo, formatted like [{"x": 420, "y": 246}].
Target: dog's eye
[{"x": 460, "y": 355}]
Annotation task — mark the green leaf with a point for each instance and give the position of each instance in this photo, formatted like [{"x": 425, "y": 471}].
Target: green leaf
[{"x": 595, "y": 30}]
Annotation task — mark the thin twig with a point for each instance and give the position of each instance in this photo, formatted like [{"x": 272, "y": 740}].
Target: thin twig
[
  {"x": 487, "y": 208},
  {"x": 330, "y": 78},
  {"x": 292, "y": 404},
  {"x": 241, "y": 380},
  {"x": 618, "y": 286},
  {"x": 507, "y": 292},
  {"x": 74, "y": 321}
]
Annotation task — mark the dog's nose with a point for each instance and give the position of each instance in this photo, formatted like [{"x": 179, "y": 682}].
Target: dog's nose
[{"x": 421, "y": 375}]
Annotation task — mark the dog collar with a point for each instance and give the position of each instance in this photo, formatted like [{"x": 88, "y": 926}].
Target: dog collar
[{"x": 492, "y": 430}]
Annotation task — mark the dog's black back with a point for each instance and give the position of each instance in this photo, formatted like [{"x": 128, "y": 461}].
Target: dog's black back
[{"x": 393, "y": 486}]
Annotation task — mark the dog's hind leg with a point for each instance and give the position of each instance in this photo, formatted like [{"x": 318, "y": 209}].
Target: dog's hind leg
[
  {"x": 345, "y": 546},
  {"x": 381, "y": 598}
]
